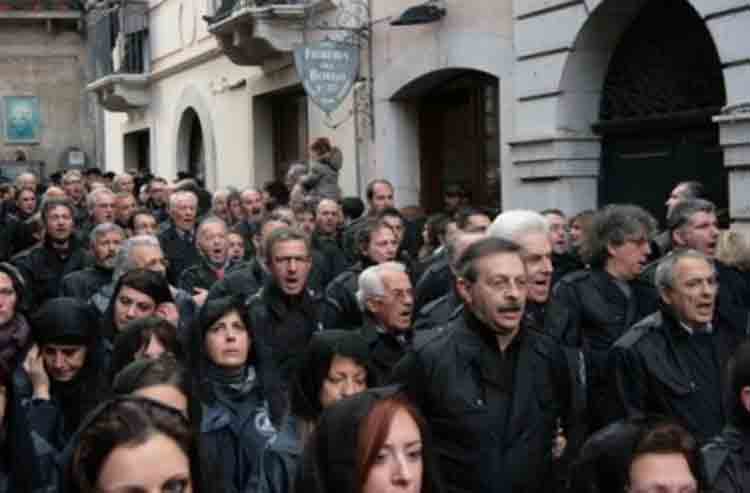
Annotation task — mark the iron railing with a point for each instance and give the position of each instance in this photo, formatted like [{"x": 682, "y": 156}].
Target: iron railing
[{"x": 118, "y": 40}]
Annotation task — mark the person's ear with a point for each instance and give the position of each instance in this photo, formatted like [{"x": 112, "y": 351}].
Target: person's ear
[
  {"x": 745, "y": 398},
  {"x": 464, "y": 289}
]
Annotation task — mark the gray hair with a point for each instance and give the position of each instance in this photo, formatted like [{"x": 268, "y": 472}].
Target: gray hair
[
  {"x": 220, "y": 192},
  {"x": 511, "y": 225},
  {"x": 103, "y": 229},
  {"x": 123, "y": 262},
  {"x": 295, "y": 172},
  {"x": 684, "y": 210},
  {"x": 370, "y": 283},
  {"x": 664, "y": 277},
  {"x": 182, "y": 194},
  {"x": 93, "y": 196},
  {"x": 208, "y": 221},
  {"x": 458, "y": 244},
  {"x": 285, "y": 234},
  {"x": 116, "y": 183},
  {"x": 614, "y": 225}
]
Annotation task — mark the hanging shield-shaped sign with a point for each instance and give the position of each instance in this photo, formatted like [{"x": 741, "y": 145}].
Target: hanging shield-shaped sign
[{"x": 327, "y": 70}]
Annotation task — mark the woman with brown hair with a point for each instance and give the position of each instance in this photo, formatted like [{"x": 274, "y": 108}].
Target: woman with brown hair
[
  {"x": 136, "y": 444},
  {"x": 373, "y": 442}
]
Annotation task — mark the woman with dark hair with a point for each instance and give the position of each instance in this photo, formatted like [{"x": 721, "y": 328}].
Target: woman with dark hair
[
  {"x": 373, "y": 442},
  {"x": 137, "y": 294},
  {"x": 146, "y": 338},
  {"x": 65, "y": 372},
  {"x": 234, "y": 205},
  {"x": 136, "y": 444},
  {"x": 333, "y": 367},
  {"x": 15, "y": 332},
  {"x": 235, "y": 424}
]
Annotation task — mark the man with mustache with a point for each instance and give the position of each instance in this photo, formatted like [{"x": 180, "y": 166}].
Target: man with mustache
[
  {"x": 590, "y": 309},
  {"x": 674, "y": 362},
  {"x": 492, "y": 392},
  {"x": 387, "y": 300},
  {"x": 105, "y": 240}
]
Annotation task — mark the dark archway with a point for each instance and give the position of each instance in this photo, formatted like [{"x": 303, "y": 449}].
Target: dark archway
[
  {"x": 459, "y": 135},
  {"x": 663, "y": 84},
  {"x": 191, "y": 142}
]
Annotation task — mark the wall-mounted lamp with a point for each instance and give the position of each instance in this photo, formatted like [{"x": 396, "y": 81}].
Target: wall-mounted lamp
[{"x": 431, "y": 11}]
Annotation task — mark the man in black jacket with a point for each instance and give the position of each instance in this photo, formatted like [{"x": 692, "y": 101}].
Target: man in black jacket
[
  {"x": 283, "y": 314},
  {"x": 589, "y": 310},
  {"x": 674, "y": 362},
  {"x": 105, "y": 240},
  {"x": 725, "y": 458},
  {"x": 44, "y": 266},
  {"x": 492, "y": 393},
  {"x": 178, "y": 240},
  {"x": 387, "y": 300}
]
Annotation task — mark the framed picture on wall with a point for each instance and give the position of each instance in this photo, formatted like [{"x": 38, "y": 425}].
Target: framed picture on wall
[{"x": 22, "y": 119}]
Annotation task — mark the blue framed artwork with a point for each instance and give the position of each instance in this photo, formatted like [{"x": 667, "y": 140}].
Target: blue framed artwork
[{"x": 22, "y": 119}]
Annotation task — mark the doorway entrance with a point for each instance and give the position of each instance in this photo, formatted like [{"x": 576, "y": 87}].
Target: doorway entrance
[
  {"x": 459, "y": 139},
  {"x": 663, "y": 85}
]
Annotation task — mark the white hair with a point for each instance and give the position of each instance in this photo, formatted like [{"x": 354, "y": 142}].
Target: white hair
[
  {"x": 370, "y": 282},
  {"x": 512, "y": 225},
  {"x": 180, "y": 195},
  {"x": 93, "y": 197}
]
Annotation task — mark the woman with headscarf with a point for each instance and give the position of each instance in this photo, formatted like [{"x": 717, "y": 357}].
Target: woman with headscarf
[
  {"x": 236, "y": 423},
  {"x": 334, "y": 366},
  {"x": 373, "y": 442},
  {"x": 65, "y": 371}
]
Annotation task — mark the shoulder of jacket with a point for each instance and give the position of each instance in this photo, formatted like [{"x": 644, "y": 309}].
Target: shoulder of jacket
[
  {"x": 426, "y": 340},
  {"x": 576, "y": 276},
  {"x": 637, "y": 332}
]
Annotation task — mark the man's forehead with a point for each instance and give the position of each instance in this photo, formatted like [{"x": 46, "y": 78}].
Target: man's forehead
[
  {"x": 5, "y": 280},
  {"x": 290, "y": 247},
  {"x": 692, "y": 267},
  {"x": 504, "y": 263},
  {"x": 146, "y": 251}
]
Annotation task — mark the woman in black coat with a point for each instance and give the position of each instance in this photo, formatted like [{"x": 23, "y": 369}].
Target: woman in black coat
[{"x": 66, "y": 371}]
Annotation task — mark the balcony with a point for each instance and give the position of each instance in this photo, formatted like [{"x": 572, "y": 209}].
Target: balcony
[
  {"x": 251, "y": 32},
  {"x": 119, "y": 53}
]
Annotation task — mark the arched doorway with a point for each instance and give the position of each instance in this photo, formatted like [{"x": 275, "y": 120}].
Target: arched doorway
[
  {"x": 663, "y": 84},
  {"x": 459, "y": 135},
  {"x": 191, "y": 145}
]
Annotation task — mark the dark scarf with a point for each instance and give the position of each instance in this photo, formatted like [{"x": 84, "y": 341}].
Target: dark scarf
[
  {"x": 14, "y": 337},
  {"x": 231, "y": 388}
]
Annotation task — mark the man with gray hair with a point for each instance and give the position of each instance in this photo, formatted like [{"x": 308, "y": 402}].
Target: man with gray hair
[
  {"x": 590, "y": 309},
  {"x": 178, "y": 239},
  {"x": 673, "y": 362},
  {"x": 104, "y": 242},
  {"x": 213, "y": 246},
  {"x": 693, "y": 224},
  {"x": 386, "y": 298},
  {"x": 144, "y": 252},
  {"x": 530, "y": 230}
]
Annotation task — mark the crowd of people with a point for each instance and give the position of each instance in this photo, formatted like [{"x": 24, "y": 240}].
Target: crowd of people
[{"x": 159, "y": 337}]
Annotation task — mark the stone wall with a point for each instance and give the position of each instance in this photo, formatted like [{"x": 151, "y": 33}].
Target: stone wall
[{"x": 49, "y": 64}]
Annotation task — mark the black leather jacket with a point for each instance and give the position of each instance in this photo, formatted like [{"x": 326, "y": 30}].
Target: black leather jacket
[
  {"x": 43, "y": 269},
  {"x": 589, "y": 311},
  {"x": 652, "y": 374},
  {"x": 84, "y": 283},
  {"x": 453, "y": 378}
]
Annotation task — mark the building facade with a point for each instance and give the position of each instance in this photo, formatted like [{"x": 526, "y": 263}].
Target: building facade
[
  {"x": 48, "y": 120},
  {"x": 528, "y": 103}
]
